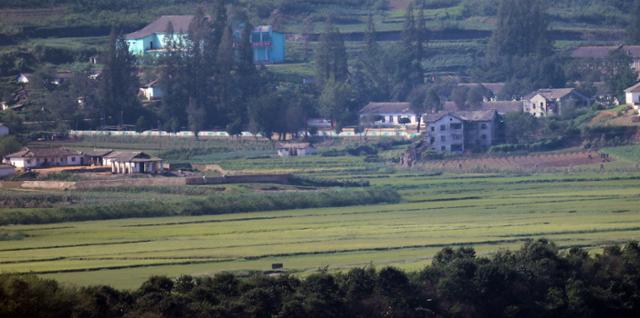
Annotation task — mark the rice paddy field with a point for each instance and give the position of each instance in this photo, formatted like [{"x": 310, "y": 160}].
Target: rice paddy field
[{"x": 488, "y": 211}]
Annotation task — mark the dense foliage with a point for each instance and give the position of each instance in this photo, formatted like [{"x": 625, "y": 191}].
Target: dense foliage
[{"x": 536, "y": 281}]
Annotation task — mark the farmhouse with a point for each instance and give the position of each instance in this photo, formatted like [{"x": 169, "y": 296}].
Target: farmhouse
[
  {"x": 388, "y": 114},
  {"x": 457, "y": 132},
  {"x": 44, "y": 157},
  {"x": 151, "y": 91},
  {"x": 632, "y": 96},
  {"x": 295, "y": 149},
  {"x": 96, "y": 157},
  {"x": 268, "y": 45},
  {"x": 550, "y": 102},
  {"x": 4, "y": 130},
  {"x": 130, "y": 162},
  {"x": 594, "y": 56}
]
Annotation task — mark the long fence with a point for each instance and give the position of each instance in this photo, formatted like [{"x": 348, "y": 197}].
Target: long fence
[{"x": 346, "y": 133}]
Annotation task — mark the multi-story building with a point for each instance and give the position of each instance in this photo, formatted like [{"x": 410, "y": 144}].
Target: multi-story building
[
  {"x": 551, "y": 101},
  {"x": 457, "y": 132}
]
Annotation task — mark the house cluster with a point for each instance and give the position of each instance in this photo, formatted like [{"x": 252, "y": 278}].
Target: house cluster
[
  {"x": 455, "y": 129},
  {"x": 268, "y": 45},
  {"x": 119, "y": 162}
]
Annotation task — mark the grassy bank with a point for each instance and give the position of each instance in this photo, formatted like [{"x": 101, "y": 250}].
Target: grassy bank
[{"x": 211, "y": 205}]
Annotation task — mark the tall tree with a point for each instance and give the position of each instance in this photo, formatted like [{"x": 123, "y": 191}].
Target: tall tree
[
  {"x": 619, "y": 74},
  {"x": 417, "y": 100},
  {"x": 633, "y": 30},
  {"x": 172, "y": 80},
  {"x": 522, "y": 29},
  {"x": 119, "y": 83},
  {"x": 331, "y": 57}
]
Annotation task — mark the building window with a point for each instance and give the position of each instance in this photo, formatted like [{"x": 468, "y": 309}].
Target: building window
[
  {"x": 433, "y": 129},
  {"x": 483, "y": 126},
  {"x": 443, "y": 127},
  {"x": 457, "y": 147},
  {"x": 432, "y": 140},
  {"x": 483, "y": 137},
  {"x": 399, "y": 118},
  {"x": 73, "y": 159},
  {"x": 456, "y": 126},
  {"x": 443, "y": 138},
  {"x": 443, "y": 148}
]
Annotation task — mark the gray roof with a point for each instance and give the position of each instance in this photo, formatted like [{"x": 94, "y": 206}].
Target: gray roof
[
  {"x": 97, "y": 152},
  {"x": 602, "y": 52},
  {"x": 387, "y": 108},
  {"x": 180, "y": 25},
  {"x": 502, "y": 107},
  {"x": 43, "y": 153},
  {"x": 473, "y": 115},
  {"x": 551, "y": 93},
  {"x": 129, "y": 156},
  {"x": 633, "y": 89}
]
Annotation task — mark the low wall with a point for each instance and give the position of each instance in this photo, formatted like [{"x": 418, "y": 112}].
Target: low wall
[{"x": 143, "y": 182}]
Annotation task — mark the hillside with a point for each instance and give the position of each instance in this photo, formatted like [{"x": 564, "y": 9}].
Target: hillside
[{"x": 459, "y": 28}]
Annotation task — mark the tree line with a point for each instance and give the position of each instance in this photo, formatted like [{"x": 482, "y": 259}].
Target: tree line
[{"x": 537, "y": 280}]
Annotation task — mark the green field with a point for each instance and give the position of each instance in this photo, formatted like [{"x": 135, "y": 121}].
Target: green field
[{"x": 488, "y": 212}]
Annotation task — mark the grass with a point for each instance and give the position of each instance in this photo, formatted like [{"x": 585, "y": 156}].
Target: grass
[{"x": 489, "y": 211}]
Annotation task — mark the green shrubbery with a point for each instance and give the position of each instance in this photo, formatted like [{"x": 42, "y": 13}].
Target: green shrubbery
[
  {"x": 536, "y": 281},
  {"x": 211, "y": 205}
]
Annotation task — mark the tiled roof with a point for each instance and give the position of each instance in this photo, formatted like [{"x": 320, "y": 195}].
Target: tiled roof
[
  {"x": 97, "y": 152},
  {"x": 502, "y": 107},
  {"x": 43, "y": 153},
  {"x": 633, "y": 89},
  {"x": 551, "y": 93},
  {"x": 180, "y": 25},
  {"x": 474, "y": 115},
  {"x": 387, "y": 108},
  {"x": 127, "y": 155}
]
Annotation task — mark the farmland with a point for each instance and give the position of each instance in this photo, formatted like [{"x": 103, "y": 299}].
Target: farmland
[{"x": 489, "y": 211}]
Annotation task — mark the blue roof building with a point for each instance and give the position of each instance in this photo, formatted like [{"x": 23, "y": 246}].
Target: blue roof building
[{"x": 268, "y": 46}]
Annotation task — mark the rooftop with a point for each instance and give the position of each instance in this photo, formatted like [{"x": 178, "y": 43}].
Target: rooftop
[
  {"x": 43, "y": 153},
  {"x": 294, "y": 145},
  {"x": 633, "y": 89},
  {"x": 180, "y": 25},
  {"x": 129, "y": 156},
  {"x": 387, "y": 108},
  {"x": 502, "y": 107},
  {"x": 473, "y": 115},
  {"x": 551, "y": 93}
]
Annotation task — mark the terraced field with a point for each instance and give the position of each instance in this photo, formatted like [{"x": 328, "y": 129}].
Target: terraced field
[{"x": 488, "y": 212}]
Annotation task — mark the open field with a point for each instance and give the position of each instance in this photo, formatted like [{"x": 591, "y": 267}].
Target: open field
[{"x": 487, "y": 210}]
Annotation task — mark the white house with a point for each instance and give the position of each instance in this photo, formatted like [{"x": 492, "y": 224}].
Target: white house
[
  {"x": 22, "y": 78},
  {"x": 388, "y": 114},
  {"x": 43, "y": 157},
  {"x": 551, "y": 101},
  {"x": 632, "y": 96},
  {"x": 151, "y": 91},
  {"x": 295, "y": 149},
  {"x": 130, "y": 162},
  {"x": 4, "y": 130},
  {"x": 456, "y": 132}
]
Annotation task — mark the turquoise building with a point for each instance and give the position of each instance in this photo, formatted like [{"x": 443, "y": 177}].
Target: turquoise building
[{"x": 268, "y": 46}]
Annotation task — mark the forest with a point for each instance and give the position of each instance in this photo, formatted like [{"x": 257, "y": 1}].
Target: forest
[{"x": 539, "y": 280}]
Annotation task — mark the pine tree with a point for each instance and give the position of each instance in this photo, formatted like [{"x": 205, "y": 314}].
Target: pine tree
[
  {"x": 522, "y": 29},
  {"x": 172, "y": 79},
  {"x": 224, "y": 79},
  {"x": 119, "y": 84},
  {"x": 331, "y": 58},
  {"x": 633, "y": 29}
]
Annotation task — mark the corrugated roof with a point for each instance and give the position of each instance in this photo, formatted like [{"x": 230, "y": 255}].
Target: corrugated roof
[
  {"x": 127, "y": 155},
  {"x": 387, "y": 108},
  {"x": 180, "y": 25},
  {"x": 97, "y": 152}
]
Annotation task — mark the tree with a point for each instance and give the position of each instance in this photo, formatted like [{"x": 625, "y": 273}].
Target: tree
[
  {"x": 633, "y": 30},
  {"x": 520, "y": 128},
  {"x": 459, "y": 96},
  {"x": 196, "y": 117},
  {"x": 331, "y": 57},
  {"x": 307, "y": 29},
  {"x": 618, "y": 73},
  {"x": 475, "y": 97},
  {"x": 119, "y": 83},
  {"x": 417, "y": 100},
  {"x": 522, "y": 29},
  {"x": 172, "y": 80},
  {"x": 432, "y": 100},
  {"x": 335, "y": 101}
]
